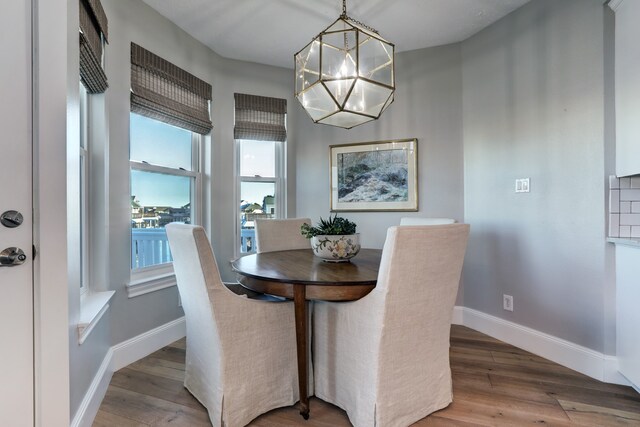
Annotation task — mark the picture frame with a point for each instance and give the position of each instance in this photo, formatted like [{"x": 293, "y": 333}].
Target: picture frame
[{"x": 374, "y": 176}]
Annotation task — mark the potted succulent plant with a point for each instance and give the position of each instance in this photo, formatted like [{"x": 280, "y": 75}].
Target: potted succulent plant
[{"x": 334, "y": 239}]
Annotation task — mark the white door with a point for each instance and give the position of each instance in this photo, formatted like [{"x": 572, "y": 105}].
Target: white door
[{"x": 16, "y": 282}]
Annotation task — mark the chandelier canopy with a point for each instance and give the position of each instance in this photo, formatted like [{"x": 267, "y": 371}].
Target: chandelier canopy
[{"x": 345, "y": 77}]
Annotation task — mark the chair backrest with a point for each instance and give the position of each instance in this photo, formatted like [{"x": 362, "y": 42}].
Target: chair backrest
[
  {"x": 416, "y": 290},
  {"x": 280, "y": 234},
  {"x": 199, "y": 283},
  {"x": 416, "y": 220}
]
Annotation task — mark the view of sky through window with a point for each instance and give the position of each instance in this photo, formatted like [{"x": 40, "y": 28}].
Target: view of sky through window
[
  {"x": 160, "y": 144},
  {"x": 156, "y": 189}
]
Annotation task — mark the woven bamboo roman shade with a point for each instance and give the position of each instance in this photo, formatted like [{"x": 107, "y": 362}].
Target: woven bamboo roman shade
[
  {"x": 260, "y": 118},
  {"x": 165, "y": 92},
  {"x": 93, "y": 34}
]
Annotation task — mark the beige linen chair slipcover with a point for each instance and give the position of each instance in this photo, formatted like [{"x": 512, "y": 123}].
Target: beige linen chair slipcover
[
  {"x": 415, "y": 220},
  {"x": 241, "y": 353},
  {"x": 384, "y": 359},
  {"x": 281, "y": 234}
]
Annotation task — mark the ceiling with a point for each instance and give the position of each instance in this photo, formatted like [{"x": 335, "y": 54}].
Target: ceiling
[{"x": 272, "y": 31}]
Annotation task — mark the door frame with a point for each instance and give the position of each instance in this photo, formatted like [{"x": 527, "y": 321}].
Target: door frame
[{"x": 54, "y": 50}]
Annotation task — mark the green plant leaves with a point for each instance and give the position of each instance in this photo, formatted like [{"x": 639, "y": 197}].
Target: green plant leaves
[{"x": 332, "y": 226}]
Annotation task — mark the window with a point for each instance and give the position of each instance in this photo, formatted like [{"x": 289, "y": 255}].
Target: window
[
  {"x": 260, "y": 133},
  {"x": 92, "y": 38},
  {"x": 169, "y": 116},
  {"x": 260, "y": 186},
  {"x": 93, "y": 31},
  {"x": 165, "y": 187}
]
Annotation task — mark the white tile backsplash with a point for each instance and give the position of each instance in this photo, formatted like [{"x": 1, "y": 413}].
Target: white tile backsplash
[
  {"x": 625, "y": 231},
  {"x": 624, "y": 207},
  {"x": 631, "y": 195},
  {"x": 614, "y": 182},
  {"x": 614, "y": 225},
  {"x": 629, "y": 219},
  {"x": 614, "y": 201}
]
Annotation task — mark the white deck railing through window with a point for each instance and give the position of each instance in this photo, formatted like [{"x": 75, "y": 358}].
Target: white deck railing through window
[{"x": 149, "y": 246}]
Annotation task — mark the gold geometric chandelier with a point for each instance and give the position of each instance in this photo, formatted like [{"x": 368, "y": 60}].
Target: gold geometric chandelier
[{"x": 345, "y": 77}]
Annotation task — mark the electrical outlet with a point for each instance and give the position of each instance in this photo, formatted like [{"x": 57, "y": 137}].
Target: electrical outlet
[
  {"x": 522, "y": 185},
  {"x": 507, "y": 302}
]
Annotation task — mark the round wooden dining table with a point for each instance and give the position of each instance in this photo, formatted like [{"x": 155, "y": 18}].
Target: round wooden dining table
[{"x": 301, "y": 276}]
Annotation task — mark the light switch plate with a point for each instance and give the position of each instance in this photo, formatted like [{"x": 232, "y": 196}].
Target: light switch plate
[{"x": 522, "y": 185}]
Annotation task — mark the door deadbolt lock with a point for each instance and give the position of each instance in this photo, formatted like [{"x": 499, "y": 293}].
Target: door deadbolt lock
[
  {"x": 11, "y": 219},
  {"x": 12, "y": 256}
]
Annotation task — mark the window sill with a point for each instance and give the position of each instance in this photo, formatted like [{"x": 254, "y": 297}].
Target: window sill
[
  {"x": 149, "y": 284},
  {"x": 93, "y": 305}
]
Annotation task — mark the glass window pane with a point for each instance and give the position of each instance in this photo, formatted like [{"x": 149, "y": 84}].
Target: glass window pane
[
  {"x": 257, "y": 201},
  {"x": 258, "y": 158},
  {"x": 156, "y": 200},
  {"x": 83, "y": 221},
  {"x": 159, "y": 143}
]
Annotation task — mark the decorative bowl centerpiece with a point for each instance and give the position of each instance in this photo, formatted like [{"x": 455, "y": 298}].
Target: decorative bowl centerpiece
[{"x": 334, "y": 239}]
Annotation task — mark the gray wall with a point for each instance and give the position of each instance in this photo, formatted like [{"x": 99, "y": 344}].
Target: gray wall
[
  {"x": 428, "y": 107},
  {"x": 128, "y": 317},
  {"x": 534, "y": 106},
  {"x": 134, "y": 21},
  {"x": 527, "y": 98}
]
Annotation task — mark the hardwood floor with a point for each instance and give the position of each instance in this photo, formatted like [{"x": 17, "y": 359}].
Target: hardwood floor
[{"x": 493, "y": 384}]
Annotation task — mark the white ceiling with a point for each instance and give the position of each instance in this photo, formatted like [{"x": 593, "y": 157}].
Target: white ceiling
[{"x": 272, "y": 31}]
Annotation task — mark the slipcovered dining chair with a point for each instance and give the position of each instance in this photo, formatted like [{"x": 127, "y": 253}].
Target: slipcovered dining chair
[
  {"x": 241, "y": 353},
  {"x": 384, "y": 358},
  {"x": 280, "y": 234},
  {"x": 283, "y": 235},
  {"x": 416, "y": 220}
]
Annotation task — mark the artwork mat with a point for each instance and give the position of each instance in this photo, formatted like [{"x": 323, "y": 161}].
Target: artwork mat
[{"x": 410, "y": 205}]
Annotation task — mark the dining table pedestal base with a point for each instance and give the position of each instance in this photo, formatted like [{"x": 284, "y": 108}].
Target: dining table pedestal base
[
  {"x": 300, "y": 275},
  {"x": 300, "y": 305}
]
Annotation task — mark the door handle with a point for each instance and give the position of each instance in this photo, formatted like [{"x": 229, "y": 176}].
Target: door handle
[{"x": 12, "y": 256}]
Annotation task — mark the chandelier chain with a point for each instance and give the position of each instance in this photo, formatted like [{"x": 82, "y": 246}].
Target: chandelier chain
[{"x": 355, "y": 21}]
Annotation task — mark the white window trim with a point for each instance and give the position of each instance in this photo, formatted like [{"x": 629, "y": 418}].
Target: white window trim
[
  {"x": 151, "y": 279},
  {"x": 84, "y": 214},
  {"x": 93, "y": 305},
  {"x": 280, "y": 186},
  {"x": 154, "y": 278}
]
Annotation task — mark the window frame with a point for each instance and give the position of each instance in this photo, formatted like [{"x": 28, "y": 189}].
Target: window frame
[
  {"x": 279, "y": 181},
  {"x": 151, "y": 278},
  {"x": 83, "y": 196}
]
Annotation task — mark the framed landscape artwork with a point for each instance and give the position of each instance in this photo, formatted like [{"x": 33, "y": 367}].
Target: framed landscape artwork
[{"x": 375, "y": 176}]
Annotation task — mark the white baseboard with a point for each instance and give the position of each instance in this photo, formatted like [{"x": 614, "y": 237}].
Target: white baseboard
[
  {"x": 119, "y": 356},
  {"x": 89, "y": 406},
  {"x": 589, "y": 362},
  {"x": 144, "y": 344},
  {"x": 611, "y": 373},
  {"x": 457, "y": 317}
]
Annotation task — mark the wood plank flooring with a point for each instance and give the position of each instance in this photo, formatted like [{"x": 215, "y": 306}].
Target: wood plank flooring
[{"x": 494, "y": 384}]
